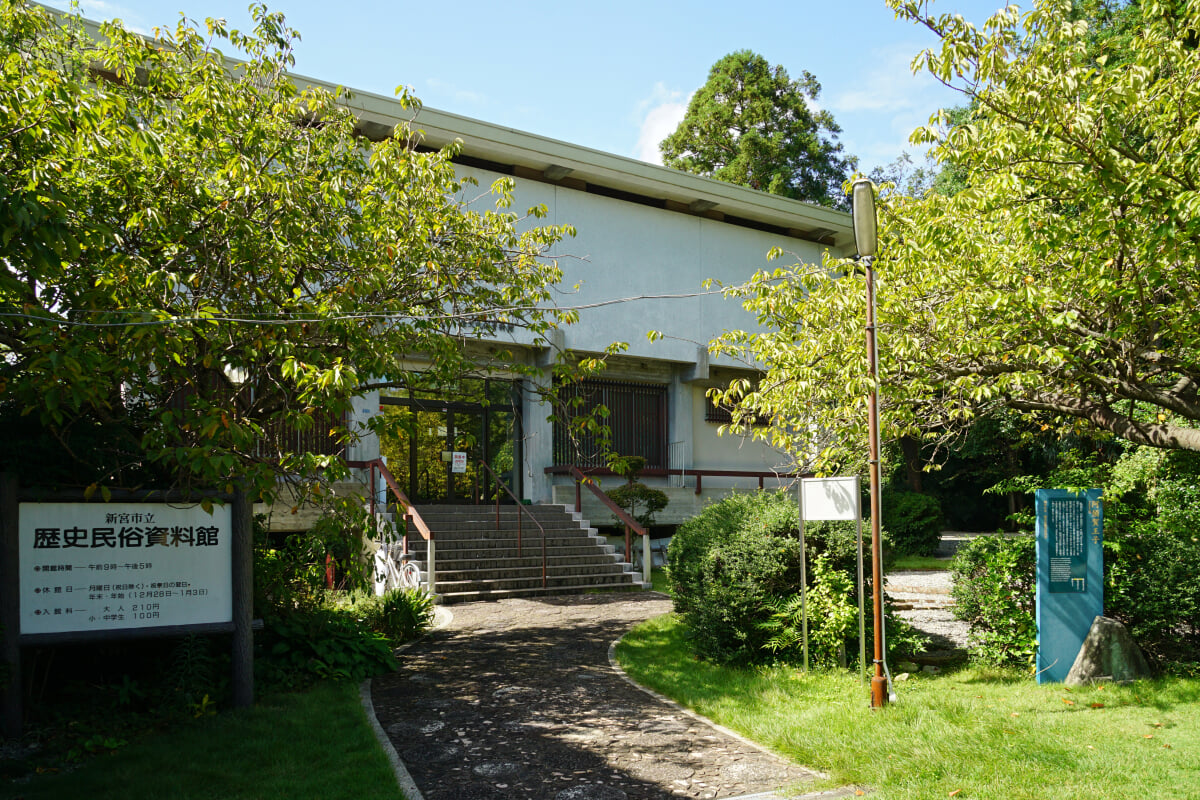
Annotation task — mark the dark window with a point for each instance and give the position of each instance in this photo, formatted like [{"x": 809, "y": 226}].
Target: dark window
[
  {"x": 636, "y": 419},
  {"x": 317, "y": 439},
  {"x": 723, "y": 415}
]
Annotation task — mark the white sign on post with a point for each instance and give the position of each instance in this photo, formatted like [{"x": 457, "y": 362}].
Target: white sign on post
[
  {"x": 459, "y": 462},
  {"x": 830, "y": 498},
  {"x": 115, "y": 566}
]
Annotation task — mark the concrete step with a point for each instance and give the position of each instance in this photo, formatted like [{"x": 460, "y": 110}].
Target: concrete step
[
  {"x": 553, "y": 562},
  {"x": 495, "y": 545},
  {"x": 488, "y": 529},
  {"x": 477, "y": 562},
  {"x": 445, "y": 576},
  {"x": 484, "y": 513},
  {"x": 493, "y": 593},
  {"x": 531, "y": 582}
]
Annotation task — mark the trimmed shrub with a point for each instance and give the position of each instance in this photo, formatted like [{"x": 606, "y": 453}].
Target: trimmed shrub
[
  {"x": 994, "y": 582},
  {"x": 914, "y": 521},
  {"x": 712, "y": 527},
  {"x": 633, "y": 494},
  {"x": 641, "y": 501},
  {"x": 734, "y": 572}
]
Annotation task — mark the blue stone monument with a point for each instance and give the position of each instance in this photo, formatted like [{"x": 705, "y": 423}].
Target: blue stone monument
[{"x": 1070, "y": 576}]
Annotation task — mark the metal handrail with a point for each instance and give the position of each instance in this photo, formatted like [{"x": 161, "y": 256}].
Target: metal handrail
[
  {"x": 410, "y": 514},
  {"x": 696, "y": 472},
  {"x": 521, "y": 509},
  {"x": 631, "y": 525}
]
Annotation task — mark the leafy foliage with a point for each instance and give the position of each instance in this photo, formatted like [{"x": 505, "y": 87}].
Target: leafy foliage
[
  {"x": 288, "y": 575},
  {"x": 752, "y": 125},
  {"x": 402, "y": 615},
  {"x": 994, "y": 581},
  {"x": 1058, "y": 282},
  {"x": 199, "y": 256},
  {"x": 914, "y": 521},
  {"x": 195, "y": 676},
  {"x": 831, "y": 617},
  {"x": 321, "y": 644},
  {"x": 405, "y": 614},
  {"x": 634, "y": 494},
  {"x": 1151, "y": 554}
]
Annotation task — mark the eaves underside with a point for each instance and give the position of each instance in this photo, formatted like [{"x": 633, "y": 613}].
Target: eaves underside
[{"x": 532, "y": 157}]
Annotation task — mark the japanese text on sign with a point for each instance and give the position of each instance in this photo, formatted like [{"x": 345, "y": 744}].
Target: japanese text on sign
[
  {"x": 1067, "y": 519},
  {"x": 112, "y": 566}
]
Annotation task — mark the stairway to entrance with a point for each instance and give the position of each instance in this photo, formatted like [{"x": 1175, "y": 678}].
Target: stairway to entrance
[{"x": 475, "y": 560}]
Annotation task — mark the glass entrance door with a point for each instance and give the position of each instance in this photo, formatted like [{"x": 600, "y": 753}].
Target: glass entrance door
[{"x": 434, "y": 446}]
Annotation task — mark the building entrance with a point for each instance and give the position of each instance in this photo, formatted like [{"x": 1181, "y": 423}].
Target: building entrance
[{"x": 434, "y": 444}]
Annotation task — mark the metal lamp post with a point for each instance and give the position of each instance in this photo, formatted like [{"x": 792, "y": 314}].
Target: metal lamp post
[{"x": 865, "y": 237}]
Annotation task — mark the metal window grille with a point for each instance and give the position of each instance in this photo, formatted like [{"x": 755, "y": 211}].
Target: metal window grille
[{"x": 637, "y": 422}]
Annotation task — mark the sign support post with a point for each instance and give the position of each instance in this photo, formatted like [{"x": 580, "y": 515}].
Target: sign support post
[
  {"x": 835, "y": 499},
  {"x": 10, "y": 603},
  {"x": 243, "y": 602}
]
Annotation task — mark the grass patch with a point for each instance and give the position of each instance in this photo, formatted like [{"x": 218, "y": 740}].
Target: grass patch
[
  {"x": 658, "y": 580},
  {"x": 312, "y": 744},
  {"x": 921, "y": 562},
  {"x": 975, "y": 733}
]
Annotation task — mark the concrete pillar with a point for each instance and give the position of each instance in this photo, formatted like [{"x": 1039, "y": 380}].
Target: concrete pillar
[
  {"x": 537, "y": 451},
  {"x": 363, "y": 409}
]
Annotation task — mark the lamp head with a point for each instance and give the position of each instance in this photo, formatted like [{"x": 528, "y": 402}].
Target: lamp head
[{"x": 862, "y": 203}]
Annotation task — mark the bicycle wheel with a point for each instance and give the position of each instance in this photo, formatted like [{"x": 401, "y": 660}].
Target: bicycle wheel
[{"x": 410, "y": 576}]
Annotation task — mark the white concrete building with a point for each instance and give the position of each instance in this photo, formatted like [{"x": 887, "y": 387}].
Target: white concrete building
[{"x": 649, "y": 237}]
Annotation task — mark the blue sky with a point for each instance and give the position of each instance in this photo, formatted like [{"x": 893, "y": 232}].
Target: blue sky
[{"x": 614, "y": 76}]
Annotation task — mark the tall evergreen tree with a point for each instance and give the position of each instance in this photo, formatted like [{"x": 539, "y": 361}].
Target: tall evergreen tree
[{"x": 753, "y": 125}]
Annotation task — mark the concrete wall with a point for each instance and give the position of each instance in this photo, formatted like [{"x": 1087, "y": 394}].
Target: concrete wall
[
  {"x": 624, "y": 250},
  {"x": 713, "y": 450}
]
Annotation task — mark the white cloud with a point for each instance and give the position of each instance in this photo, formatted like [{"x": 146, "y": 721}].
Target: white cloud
[
  {"x": 450, "y": 91},
  {"x": 889, "y": 86},
  {"x": 103, "y": 11},
  {"x": 659, "y": 115}
]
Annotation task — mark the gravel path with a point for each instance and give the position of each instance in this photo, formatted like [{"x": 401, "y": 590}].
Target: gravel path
[
  {"x": 516, "y": 699},
  {"x": 922, "y": 597}
]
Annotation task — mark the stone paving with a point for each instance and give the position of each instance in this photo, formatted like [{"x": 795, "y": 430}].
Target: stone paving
[{"x": 516, "y": 699}]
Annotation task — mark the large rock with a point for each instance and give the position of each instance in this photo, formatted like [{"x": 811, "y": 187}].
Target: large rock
[{"x": 1108, "y": 653}]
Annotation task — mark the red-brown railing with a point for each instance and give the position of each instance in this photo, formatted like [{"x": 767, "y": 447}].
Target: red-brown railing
[
  {"x": 728, "y": 473},
  {"x": 521, "y": 510},
  {"x": 631, "y": 525},
  {"x": 412, "y": 518},
  {"x": 697, "y": 473}
]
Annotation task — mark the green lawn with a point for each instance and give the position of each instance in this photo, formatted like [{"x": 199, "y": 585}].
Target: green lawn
[
  {"x": 970, "y": 734},
  {"x": 317, "y": 744}
]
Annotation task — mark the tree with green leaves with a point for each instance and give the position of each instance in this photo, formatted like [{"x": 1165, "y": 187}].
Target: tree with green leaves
[
  {"x": 1061, "y": 282},
  {"x": 752, "y": 125},
  {"x": 201, "y": 258}
]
